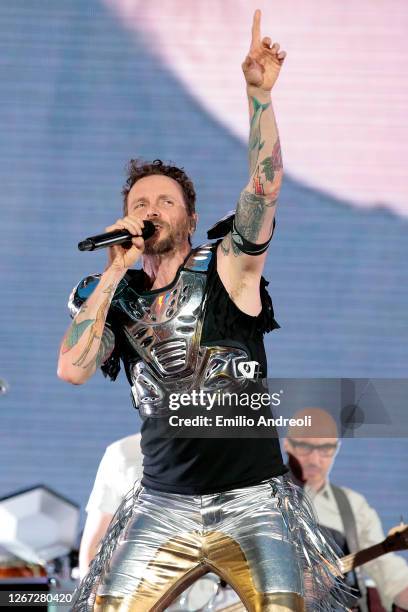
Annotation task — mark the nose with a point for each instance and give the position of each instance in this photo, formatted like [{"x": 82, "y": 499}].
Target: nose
[
  {"x": 315, "y": 455},
  {"x": 152, "y": 213}
]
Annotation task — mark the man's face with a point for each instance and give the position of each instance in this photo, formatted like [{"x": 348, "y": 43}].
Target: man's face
[
  {"x": 160, "y": 199},
  {"x": 315, "y": 456}
]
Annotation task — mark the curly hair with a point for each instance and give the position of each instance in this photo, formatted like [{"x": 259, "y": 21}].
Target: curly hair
[{"x": 137, "y": 169}]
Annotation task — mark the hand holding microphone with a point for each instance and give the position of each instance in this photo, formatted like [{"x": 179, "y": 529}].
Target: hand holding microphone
[{"x": 124, "y": 239}]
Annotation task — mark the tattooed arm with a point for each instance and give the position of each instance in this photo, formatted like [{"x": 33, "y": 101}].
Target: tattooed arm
[
  {"x": 88, "y": 342},
  {"x": 256, "y": 206},
  {"x": 257, "y": 203}
]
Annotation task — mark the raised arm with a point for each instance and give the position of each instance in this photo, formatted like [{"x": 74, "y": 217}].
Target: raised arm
[{"x": 257, "y": 203}]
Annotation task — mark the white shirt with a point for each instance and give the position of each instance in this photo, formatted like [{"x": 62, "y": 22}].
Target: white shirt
[
  {"x": 120, "y": 467},
  {"x": 389, "y": 572}
]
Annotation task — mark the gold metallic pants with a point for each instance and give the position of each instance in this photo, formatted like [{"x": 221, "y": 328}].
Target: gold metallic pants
[
  {"x": 171, "y": 540},
  {"x": 260, "y": 539}
]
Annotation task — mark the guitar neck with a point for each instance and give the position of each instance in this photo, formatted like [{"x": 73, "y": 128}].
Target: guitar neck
[
  {"x": 397, "y": 539},
  {"x": 353, "y": 560}
]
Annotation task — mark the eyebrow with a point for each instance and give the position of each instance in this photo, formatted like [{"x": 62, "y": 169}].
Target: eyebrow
[
  {"x": 161, "y": 197},
  {"x": 324, "y": 445}
]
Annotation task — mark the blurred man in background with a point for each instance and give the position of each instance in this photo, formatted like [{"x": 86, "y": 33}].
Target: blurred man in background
[{"x": 353, "y": 523}]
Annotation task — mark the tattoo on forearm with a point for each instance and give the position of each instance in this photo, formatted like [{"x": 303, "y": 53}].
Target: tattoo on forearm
[
  {"x": 270, "y": 166},
  {"x": 106, "y": 347},
  {"x": 267, "y": 169},
  {"x": 277, "y": 156},
  {"x": 74, "y": 334},
  {"x": 97, "y": 330},
  {"x": 262, "y": 170},
  {"x": 257, "y": 183},
  {"x": 255, "y": 144}
]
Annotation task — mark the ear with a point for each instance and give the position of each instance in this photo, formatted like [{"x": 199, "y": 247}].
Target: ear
[
  {"x": 193, "y": 222},
  {"x": 285, "y": 444}
]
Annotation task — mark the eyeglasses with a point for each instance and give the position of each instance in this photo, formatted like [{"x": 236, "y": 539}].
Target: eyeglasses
[{"x": 304, "y": 448}]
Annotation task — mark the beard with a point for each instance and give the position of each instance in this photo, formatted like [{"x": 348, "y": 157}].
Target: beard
[{"x": 174, "y": 237}]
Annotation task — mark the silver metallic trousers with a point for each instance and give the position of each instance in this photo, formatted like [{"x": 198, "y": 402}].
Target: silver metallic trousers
[{"x": 262, "y": 540}]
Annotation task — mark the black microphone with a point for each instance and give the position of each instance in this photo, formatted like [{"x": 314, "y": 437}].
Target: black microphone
[{"x": 121, "y": 236}]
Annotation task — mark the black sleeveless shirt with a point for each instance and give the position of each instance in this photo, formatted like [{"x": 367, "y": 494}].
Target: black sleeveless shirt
[{"x": 198, "y": 466}]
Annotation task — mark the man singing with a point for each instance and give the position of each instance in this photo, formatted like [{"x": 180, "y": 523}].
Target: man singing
[{"x": 187, "y": 321}]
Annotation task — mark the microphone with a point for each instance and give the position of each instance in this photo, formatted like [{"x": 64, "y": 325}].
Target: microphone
[{"x": 108, "y": 239}]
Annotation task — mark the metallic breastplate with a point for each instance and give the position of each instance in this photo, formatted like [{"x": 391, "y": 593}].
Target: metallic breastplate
[{"x": 164, "y": 329}]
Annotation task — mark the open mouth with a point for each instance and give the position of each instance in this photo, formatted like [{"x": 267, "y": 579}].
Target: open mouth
[{"x": 158, "y": 226}]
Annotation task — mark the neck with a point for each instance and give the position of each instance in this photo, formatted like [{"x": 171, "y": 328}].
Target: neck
[
  {"x": 161, "y": 269},
  {"x": 317, "y": 485}
]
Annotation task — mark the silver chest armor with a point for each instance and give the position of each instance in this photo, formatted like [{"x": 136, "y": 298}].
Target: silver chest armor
[{"x": 164, "y": 329}]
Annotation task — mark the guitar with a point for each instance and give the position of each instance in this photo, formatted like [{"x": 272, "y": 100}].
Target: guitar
[{"x": 397, "y": 539}]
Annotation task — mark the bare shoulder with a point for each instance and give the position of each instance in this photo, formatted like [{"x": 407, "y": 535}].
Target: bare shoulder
[{"x": 242, "y": 287}]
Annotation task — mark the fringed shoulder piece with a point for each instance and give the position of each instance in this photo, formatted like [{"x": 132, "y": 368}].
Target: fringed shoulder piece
[{"x": 267, "y": 321}]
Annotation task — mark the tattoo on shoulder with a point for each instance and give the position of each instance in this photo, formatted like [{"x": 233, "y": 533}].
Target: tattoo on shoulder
[{"x": 226, "y": 244}]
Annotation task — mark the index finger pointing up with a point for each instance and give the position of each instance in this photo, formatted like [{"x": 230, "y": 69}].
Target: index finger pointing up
[{"x": 256, "y": 28}]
